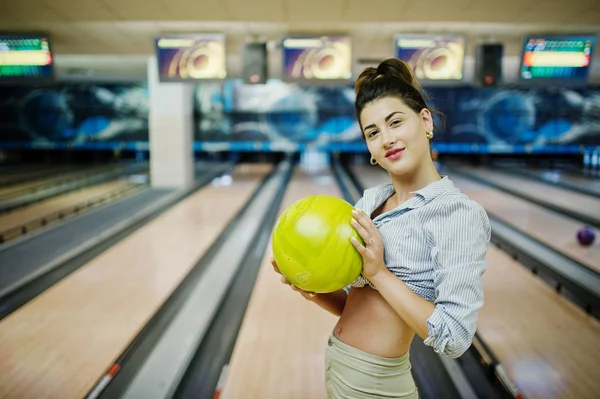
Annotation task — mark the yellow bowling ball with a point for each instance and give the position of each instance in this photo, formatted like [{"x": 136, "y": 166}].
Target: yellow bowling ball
[{"x": 312, "y": 247}]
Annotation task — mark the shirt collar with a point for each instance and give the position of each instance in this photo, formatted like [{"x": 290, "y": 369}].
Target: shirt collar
[
  {"x": 375, "y": 196},
  {"x": 435, "y": 189}
]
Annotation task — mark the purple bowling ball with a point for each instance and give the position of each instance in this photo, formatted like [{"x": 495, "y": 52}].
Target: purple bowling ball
[{"x": 586, "y": 236}]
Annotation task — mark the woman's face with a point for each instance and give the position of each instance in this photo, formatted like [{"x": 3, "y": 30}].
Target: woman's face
[{"x": 396, "y": 135}]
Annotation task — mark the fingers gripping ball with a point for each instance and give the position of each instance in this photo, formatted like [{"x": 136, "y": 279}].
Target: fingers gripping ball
[{"x": 312, "y": 247}]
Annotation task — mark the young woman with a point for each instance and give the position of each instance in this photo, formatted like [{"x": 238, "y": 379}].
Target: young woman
[{"x": 424, "y": 252}]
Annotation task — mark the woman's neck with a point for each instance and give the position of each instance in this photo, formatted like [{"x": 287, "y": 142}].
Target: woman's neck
[{"x": 405, "y": 185}]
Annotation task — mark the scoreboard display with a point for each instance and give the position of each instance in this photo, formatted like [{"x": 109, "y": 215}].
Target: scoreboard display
[
  {"x": 24, "y": 57},
  {"x": 557, "y": 58}
]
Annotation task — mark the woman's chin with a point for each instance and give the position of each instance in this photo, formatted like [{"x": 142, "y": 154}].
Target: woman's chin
[{"x": 399, "y": 167}]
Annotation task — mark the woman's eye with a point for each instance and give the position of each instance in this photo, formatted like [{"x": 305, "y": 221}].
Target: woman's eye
[
  {"x": 395, "y": 123},
  {"x": 372, "y": 133}
]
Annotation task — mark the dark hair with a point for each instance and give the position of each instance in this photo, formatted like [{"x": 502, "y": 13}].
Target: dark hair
[{"x": 392, "y": 77}]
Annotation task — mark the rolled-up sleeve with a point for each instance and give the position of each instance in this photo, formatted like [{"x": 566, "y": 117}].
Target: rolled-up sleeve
[{"x": 459, "y": 235}]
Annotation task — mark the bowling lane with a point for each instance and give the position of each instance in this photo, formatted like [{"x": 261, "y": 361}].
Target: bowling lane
[
  {"x": 26, "y": 187},
  {"x": 553, "y": 229},
  {"x": 548, "y": 346},
  {"x": 42, "y": 209},
  {"x": 560, "y": 197},
  {"x": 31, "y": 172},
  {"x": 280, "y": 348},
  {"x": 61, "y": 342},
  {"x": 557, "y": 177}
]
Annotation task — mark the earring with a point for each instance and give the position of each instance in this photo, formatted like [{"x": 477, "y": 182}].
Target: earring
[
  {"x": 373, "y": 161},
  {"x": 429, "y": 135}
]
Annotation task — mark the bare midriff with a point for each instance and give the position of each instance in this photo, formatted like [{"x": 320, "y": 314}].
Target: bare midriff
[{"x": 369, "y": 323}]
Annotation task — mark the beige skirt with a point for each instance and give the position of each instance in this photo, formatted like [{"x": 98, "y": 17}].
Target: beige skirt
[{"x": 352, "y": 373}]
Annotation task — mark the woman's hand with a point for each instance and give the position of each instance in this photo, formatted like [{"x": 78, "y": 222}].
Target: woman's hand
[
  {"x": 305, "y": 294},
  {"x": 372, "y": 251}
]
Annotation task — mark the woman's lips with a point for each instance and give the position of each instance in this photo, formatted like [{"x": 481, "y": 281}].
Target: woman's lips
[{"x": 394, "y": 154}]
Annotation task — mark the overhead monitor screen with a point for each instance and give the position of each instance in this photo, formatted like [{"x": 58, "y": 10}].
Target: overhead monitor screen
[
  {"x": 191, "y": 57},
  {"x": 432, "y": 57},
  {"x": 317, "y": 58}
]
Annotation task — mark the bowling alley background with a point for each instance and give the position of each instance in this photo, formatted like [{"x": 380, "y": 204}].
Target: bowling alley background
[
  {"x": 554, "y": 119},
  {"x": 549, "y": 109}
]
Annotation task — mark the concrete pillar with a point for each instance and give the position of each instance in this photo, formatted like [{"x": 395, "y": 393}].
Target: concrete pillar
[{"x": 171, "y": 131}]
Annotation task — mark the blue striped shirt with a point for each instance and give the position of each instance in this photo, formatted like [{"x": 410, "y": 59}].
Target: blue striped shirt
[{"x": 436, "y": 243}]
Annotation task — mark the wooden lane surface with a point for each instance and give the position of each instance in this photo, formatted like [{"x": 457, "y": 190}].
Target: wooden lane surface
[
  {"x": 279, "y": 352},
  {"x": 31, "y": 173},
  {"x": 557, "y": 196},
  {"x": 40, "y": 209},
  {"x": 12, "y": 190},
  {"x": 577, "y": 180},
  {"x": 549, "y": 347},
  {"x": 60, "y": 343}
]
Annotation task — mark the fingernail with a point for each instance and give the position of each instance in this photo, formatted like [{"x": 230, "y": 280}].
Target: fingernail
[{"x": 353, "y": 220}]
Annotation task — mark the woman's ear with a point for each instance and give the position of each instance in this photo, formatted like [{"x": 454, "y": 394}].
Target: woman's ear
[{"x": 427, "y": 119}]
